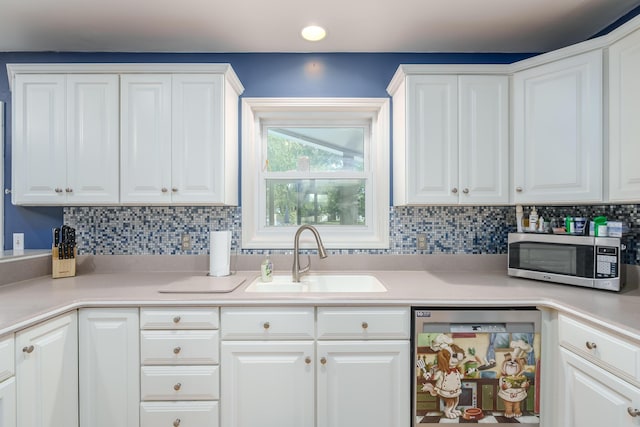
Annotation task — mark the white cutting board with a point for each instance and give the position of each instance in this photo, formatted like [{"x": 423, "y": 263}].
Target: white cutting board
[{"x": 204, "y": 284}]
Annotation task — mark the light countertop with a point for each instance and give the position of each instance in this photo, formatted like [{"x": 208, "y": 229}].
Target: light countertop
[{"x": 28, "y": 302}]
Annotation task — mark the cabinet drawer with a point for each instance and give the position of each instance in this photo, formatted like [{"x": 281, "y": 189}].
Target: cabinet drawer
[
  {"x": 182, "y": 414},
  {"x": 180, "y": 383},
  {"x": 179, "y": 347},
  {"x": 616, "y": 353},
  {"x": 7, "y": 354},
  {"x": 267, "y": 323},
  {"x": 179, "y": 318},
  {"x": 363, "y": 323}
]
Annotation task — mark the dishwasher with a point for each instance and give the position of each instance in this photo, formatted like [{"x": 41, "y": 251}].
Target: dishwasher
[{"x": 476, "y": 366}]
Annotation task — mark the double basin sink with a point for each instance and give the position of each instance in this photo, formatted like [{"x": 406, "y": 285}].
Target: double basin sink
[{"x": 318, "y": 283}]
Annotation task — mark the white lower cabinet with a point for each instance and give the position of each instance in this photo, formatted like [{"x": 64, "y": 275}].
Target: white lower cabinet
[
  {"x": 109, "y": 367},
  {"x": 594, "y": 397},
  {"x": 47, "y": 373},
  {"x": 179, "y": 374},
  {"x": 7, "y": 382},
  {"x": 275, "y": 372}
]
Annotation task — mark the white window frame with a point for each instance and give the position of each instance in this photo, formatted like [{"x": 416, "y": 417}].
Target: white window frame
[{"x": 256, "y": 111}]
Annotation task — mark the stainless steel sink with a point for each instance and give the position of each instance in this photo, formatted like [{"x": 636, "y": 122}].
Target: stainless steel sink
[{"x": 319, "y": 283}]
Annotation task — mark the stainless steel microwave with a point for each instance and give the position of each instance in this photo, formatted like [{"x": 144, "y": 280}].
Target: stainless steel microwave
[{"x": 592, "y": 262}]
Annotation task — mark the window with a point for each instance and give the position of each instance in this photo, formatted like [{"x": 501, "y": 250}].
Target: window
[{"x": 316, "y": 161}]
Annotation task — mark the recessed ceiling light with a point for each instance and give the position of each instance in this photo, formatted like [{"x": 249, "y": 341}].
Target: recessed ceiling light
[{"x": 313, "y": 33}]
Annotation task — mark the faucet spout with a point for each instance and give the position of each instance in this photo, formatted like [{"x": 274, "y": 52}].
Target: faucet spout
[{"x": 296, "y": 271}]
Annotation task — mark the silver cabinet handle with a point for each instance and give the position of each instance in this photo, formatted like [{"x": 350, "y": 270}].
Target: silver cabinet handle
[
  {"x": 28, "y": 349},
  {"x": 465, "y": 191},
  {"x": 58, "y": 190},
  {"x": 174, "y": 189},
  {"x": 177, "y": 319},
  {"x": 365, "y": 325},
  {"x": 177, "y": 387},
  {"x": 307, "y": 360},
  {"x": 590, "y": 345},
  {"x": 633, "y": 412},
  {"x": 454, "y": 190},
  {"x": 266, "y": 325},
  {"x": 164, "y": 189},
  {"x": 176, "y": 350},
  {"x": 176, "y": 423},
  {"x": 69, "y": 190},
  {"x": 518, "y": 189},
  {"x": 323, "y": 360}
]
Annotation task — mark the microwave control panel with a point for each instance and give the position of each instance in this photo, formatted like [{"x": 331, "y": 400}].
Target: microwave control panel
[{"x": 606, "y": 262}]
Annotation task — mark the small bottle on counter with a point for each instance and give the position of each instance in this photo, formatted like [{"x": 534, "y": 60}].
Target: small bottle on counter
[
  {"x": 533, "y": 219},
  {"x": 519, "y": 218},
  {"x": 266, "y": 270}
]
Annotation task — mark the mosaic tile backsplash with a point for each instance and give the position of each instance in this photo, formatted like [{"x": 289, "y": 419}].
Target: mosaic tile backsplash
[{"x": 152, "y": 230}]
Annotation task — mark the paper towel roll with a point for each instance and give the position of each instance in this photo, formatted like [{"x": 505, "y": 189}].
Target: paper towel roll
[{"x": 219, "y": 253}]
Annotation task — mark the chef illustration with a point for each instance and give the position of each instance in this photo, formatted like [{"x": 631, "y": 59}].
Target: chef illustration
[
  {"x": 448, "y": 376},
  {"x": 513, "y": 385}
]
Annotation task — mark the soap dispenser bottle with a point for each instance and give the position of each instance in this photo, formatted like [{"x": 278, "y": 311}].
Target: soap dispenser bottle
[{"x": 266, "y": 269}]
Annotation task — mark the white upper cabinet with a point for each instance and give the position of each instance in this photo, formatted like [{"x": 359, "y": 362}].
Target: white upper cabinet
[
  {"x": 179, "y": 139},
  {"x": 450, "y": 138},
  {"x": 557, "y": 127},
  {"x": 65, "y": 139},
  {"x": 624, "y": 123}
]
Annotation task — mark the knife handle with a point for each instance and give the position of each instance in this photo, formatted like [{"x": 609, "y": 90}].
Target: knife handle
[{"x": 56, "y": 236}]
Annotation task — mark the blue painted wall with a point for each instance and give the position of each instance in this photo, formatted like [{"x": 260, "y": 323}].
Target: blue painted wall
[{"x": 262, "y": 74}]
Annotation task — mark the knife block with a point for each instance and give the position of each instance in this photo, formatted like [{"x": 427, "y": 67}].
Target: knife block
[{"x": 63, "y": 267}]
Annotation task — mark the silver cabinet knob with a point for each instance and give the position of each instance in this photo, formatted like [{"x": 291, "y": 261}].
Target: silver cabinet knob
[
  {"x": 177, "y": 350},
  {"x": 365, "y": 325},
  {"x": 164, "y": 189},
  {"x": 58, "y": 190},
  {"x": 177, "y": 319},
  {"x": 266, "y": 325},
  {"x": 307, "y": 360},
  {"x": 28, "y": 349},
  {"x": 323, "y": 360},
  {"x": 69, "y": 190},
  {"x": 519, "y": 189},
  {"x": 454, "y": 190},
  {"x": 465, "y": 191},
  {"x": 174, "y": 189},
  {"x": 590, "y": 345},
  {"x": 176, "y": 423},
  {"x": 633, "y": 412},
  {"x": 177, "y": 387}
]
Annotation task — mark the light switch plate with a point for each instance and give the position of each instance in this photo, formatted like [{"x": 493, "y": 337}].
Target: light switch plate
[
  {"x": 421, "y": 242},
  {"x": 18, "y": 242}
]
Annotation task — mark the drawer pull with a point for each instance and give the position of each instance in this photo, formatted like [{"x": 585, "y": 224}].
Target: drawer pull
[
  {"x": 365, "y": 325},
  {"x": 176, "y": 319},
  {"x": 28, "y": 349},
  {"x": 176, "y": 423},
  {"x": 177, "y": 350},
  {"x": 633, "y": 412},
  {"x": 266, "y": 325},
  {"x": 177, "y": 387},
  {"x": 323, "y": 360},
  {"x": 307, "y": 360},
  {"x": 590, "y": 345}
]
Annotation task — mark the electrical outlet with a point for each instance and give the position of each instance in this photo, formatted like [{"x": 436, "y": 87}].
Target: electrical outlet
[
  {"x": 421, "y": 242},
  {"x": 185, "y": 242}
]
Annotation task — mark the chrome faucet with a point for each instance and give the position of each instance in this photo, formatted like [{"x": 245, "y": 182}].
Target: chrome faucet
[{"x": 297, "y": 272}]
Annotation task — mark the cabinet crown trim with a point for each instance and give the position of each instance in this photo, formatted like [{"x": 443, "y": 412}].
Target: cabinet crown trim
[{"x": 127, "y": 68}]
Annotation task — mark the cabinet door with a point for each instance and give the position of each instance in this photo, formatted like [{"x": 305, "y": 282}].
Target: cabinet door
[
  {"x": 8, "y": 403},
  {"x": 39, "y": 160},
  {"x": 558, "y": 131},
  {"x": 268, "y": 384},
  {"x": 432, "y": 140},
  {"x": 484, "y": 140},
  {"x": 92, "y": 139},
  {"x": 145, "y": 138},
  {"x": 198, "y": 162},
  {"x": 47, "y": 373},
  {"x": 594, "y": 397},
  {"x": 109, "y": 367},
  {"x": 363, "y": 383},
  {"x": 624, "y": 126}
]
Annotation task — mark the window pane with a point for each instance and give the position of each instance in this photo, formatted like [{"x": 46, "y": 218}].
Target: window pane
[
  {"x": 315, "y": 201},
  {"x": 315, "y": 149}
]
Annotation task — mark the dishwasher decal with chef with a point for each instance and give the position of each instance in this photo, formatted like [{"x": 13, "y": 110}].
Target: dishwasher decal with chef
[{"x": 476, "y": 366}]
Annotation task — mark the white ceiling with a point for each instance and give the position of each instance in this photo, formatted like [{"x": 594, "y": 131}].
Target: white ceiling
[{"x": 274, "y": 25}]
